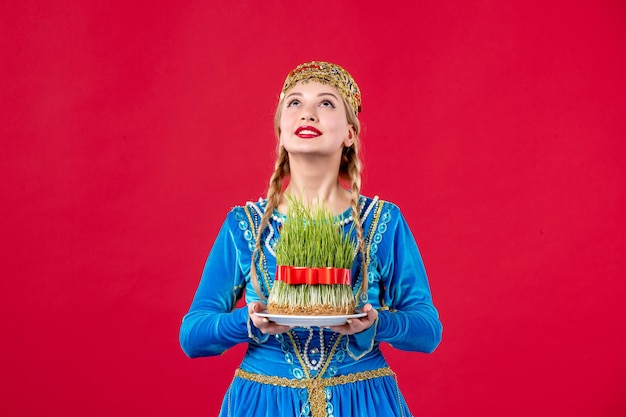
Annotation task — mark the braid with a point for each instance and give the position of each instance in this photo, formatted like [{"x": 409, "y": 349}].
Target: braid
[
  {"x": 281, "y": 170},
  {"x": 350, "y": 171},
  {"x": 351, "y": 167}
]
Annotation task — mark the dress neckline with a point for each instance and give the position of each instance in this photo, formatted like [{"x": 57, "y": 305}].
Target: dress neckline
[{"x": 343, "y": 218}]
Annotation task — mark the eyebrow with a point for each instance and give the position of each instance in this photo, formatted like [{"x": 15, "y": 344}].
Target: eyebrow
[{"x": 319, "y": 95}]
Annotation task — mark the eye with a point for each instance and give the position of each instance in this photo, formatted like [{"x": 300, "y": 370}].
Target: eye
[
  {"x": 327, "y": 103},
  {"x": 293, "y": 102}
]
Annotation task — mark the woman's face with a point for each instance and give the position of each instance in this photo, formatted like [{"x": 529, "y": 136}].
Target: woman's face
[{"x": 313, "y": 120}]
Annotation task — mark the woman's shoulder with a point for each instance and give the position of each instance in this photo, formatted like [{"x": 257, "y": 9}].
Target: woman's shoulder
[
  {"x": 376, "y": 206},
  {"x": 249, "y": 212},
  {"x": 257, "y": 206}
]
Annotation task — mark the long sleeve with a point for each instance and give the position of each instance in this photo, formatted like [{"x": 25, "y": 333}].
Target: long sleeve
[
  {"x": 398, "y": 288},
  {"x": 411, "y": 321},
  {"x": 212, "y": 324}
]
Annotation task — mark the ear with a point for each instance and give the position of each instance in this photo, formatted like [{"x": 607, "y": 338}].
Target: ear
[{"x": 351, "y": 137}]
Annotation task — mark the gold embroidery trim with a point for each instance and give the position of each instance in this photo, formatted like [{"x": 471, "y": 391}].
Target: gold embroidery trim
[
  {"x": 261, "y": 255},
  {"x": 323, "y": 382},
  {"x": 370, "y": 234},
  {"x": 315, "y": 386},
  {"x": 317, "y": 398}
]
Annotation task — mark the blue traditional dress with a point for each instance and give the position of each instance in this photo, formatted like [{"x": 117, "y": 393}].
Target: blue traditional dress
[{"x": 313, "y": 371}]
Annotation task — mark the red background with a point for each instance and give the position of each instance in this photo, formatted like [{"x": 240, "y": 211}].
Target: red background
[{"x": 129, "y": 130}]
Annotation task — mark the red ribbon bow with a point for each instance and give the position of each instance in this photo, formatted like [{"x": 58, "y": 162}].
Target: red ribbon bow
[{"x": 302, "y": 275}]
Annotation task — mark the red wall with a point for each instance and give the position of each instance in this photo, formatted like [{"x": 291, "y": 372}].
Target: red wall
[{"x": 128, "y": 131}]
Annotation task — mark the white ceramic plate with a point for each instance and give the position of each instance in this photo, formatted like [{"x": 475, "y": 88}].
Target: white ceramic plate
[{"x": 309, "y": 321}]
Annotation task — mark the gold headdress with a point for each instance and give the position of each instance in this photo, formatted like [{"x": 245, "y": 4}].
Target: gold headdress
[{"x": 326, "y": 73}]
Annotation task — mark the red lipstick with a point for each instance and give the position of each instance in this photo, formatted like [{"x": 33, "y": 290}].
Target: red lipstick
[{"x": 307, "y": 132}]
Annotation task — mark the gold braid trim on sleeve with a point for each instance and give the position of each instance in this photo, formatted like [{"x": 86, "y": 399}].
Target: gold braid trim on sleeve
[{"x": 264, "y": 272}]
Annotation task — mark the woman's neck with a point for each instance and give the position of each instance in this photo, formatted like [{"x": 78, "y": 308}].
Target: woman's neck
[{"x": 315, "y": 183}]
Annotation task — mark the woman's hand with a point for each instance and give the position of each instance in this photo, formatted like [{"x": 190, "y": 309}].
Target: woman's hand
[
  {"x": 262, "y": 323},
  {"x": 353, "y": 326}
]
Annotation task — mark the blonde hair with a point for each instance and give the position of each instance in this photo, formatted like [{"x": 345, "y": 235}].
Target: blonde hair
[{"x": 349, "y": 171}]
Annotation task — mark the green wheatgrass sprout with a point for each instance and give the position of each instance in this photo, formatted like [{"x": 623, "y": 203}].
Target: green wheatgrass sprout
[{"x": 310, "y": 238}]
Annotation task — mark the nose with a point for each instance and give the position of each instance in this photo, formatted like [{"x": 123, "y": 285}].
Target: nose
[{"x": 308, "y": 114}]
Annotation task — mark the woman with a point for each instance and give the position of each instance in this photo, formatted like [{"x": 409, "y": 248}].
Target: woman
[{"x": 338, "y": 371}]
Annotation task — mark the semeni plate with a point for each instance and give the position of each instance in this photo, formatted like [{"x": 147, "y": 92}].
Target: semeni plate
[{"x": 309, "y": 321}]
